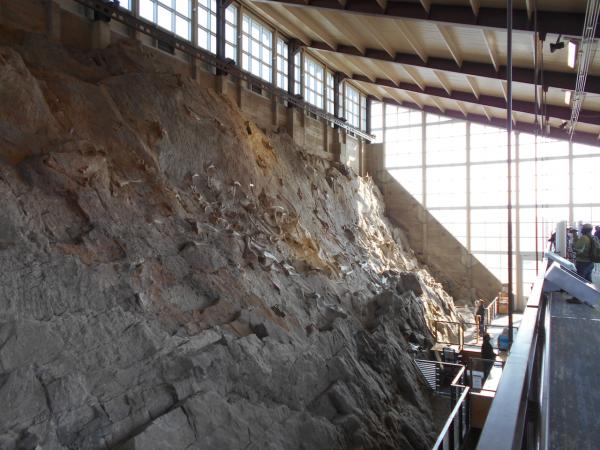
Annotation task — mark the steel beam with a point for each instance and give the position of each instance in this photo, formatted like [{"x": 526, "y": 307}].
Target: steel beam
[
  {"x": 555, "y": 22},
  {"x": 558, "y": 80},
  {"x": 558, "y": 112}
]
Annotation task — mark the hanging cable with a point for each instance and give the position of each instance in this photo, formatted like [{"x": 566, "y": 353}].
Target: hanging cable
[
  {"x": 535, "y": 139},
  {"x": 509, "y": 11},
  {"x": 586, "y": 54}
]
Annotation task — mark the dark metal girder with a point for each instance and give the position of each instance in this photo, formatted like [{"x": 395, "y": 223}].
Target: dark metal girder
[
  {"x": 555, "y": 133},
  {"x": 555, "y": 111},
  {"x": 558, "y": 80},
  {"x": 548, "y": 21}
]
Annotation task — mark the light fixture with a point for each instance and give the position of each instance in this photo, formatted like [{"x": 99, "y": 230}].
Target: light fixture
[
  {"x": 567, "y": 97},
  {"x": 572, "y": 54},
  {"x": 557, "y": 45}
]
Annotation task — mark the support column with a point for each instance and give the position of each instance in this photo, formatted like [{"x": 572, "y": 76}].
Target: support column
[
  {"x": 274, "y": 99},
  {"x": 470, "y": 257},
  {"x": 424, "y": 186},
  {"x": 571, "y": 215},
  {"x": 194, "y": 35},
  {"x": 294, "y": 47},
  {"x": 519, "y": 265},
  {"x": 239, "y": 83}
]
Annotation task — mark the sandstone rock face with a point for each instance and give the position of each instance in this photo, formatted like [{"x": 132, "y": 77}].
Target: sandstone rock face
[{"x": 174, "y": 278}]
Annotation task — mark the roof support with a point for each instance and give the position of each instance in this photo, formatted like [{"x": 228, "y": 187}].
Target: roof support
[
  {"x": 474, "y": 6},
  {"x": 443, "y": 81},
  {"x": 554, "y": 22},
  {"x": 519, "y": 106},
  {"x": 410, "y": 39},
  {"x": 473, "y": 85},
  {"x": 558, "y": 80},
  {"x": 487, "y": 39},
  {"x": 450, "y": 44}
]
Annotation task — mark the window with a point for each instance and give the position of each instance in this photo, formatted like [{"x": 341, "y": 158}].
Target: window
[
  {"x": 172, "y": 15},
  {"x": 207, "y": 25},
  {"x": 256, "y": 48},
  {"x": 282, "y": 64},
  {"x": 352, "y": 106},
  {"x": 207, "y": 28},
  {"x": 330, "y": 92},
  {"x": 313, "y": 82},
  {"x": 297, "y": 73},
  {"x": 363, "y": 113},
  {"x": 125, "y": 4},
  {"x": 231, "y": 18},
  {"x": 377, "y": 121}
]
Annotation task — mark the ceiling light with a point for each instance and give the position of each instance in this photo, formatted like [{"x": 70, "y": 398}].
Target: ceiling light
[
  {"x": 557, "y": 45},
  {"x": 567, "y": 97},
  {"x": 572, "y": 55}
]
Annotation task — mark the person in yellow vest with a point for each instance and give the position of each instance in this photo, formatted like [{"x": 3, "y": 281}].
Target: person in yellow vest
[{"x": 583, "y": 248}]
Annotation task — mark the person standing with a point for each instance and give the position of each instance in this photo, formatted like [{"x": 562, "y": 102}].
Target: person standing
[
  {"x": 583, "y": 249},
  {"x": 480, "y": 313},
  {"x": 597, "y": 232},
  {"x": 488, "y": 355}
]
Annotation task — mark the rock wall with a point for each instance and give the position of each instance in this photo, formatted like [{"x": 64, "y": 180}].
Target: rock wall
[{"x": 175, "y": 278}]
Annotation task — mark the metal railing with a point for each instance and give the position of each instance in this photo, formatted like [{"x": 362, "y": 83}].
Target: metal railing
[
  {"x": 512, "y": 421},
  {"x": 491, "y": 310},
  {"x": 457, "y": 426},
  {"x": 454, "y": 330},
  {"x": 226, "y": 66}
]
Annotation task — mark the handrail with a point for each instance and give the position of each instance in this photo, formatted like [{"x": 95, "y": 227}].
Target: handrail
[
  {"x": 505, "y": 423},
  {"x": 127, "y": 18},
  {"x": 440, "y": 440}
]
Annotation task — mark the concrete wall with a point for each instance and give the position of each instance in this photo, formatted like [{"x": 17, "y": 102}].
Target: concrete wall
[
  {"x": 69, "y": 23},
  {"x": 463, "y": 276}
]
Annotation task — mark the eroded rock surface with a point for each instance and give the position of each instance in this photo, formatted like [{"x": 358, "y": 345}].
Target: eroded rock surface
[{"x": 174, "y": 278}]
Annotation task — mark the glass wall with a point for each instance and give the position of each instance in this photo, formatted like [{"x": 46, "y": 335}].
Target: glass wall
[
  {"x": 172, "y": 15},
  {"x": 256, "y": 48},
  {"x": 458, "y": 171}
]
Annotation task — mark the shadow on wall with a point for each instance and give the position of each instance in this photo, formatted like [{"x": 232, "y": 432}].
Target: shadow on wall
[{"x": 462, "y": 275}]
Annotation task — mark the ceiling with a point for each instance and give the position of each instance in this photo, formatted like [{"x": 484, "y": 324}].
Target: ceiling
[{"x": 448, "y": 56}]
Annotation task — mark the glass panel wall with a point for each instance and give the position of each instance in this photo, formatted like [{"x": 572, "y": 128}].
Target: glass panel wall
[
  {"x": 458, "y": 171},
  {"x": 257, "y": 42},
  {"x": 172, "y": 15}
]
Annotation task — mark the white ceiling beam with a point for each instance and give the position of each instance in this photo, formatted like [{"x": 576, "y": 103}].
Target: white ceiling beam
[
  {"x": 461, "y": 108},
  {"x": 275, "y": 17},
  {"x": 376, "y": 36},
  {"x": 305, "y": 18},
  {"x": 474, "y": 6},
  {"x": 350, "y": 36},
  {"x": 414, "y": 76},
  {"x": 450, "y": 44},
  {"x": 489, "y": 45},
  {"x": 439, "y": 104},
  {"x": 504, "y": 90},
  {"x": 395, "y": 95},
  {"x": 443, "y": 81},
  {"x": 409, "y": 37},
  {"x": 528, "y": 5},
  {"x": 473, "y": 85},
  {"x": 414, "y": 98},
  {"x": 487, "y": 114},
  {"x": 385, "y": 70}
]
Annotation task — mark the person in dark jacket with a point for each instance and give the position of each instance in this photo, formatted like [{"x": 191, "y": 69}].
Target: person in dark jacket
[
  {"x": 481, "y": 314},
  {"x": 597, "y": 231},
  {"x": 487, "y": 354}
]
